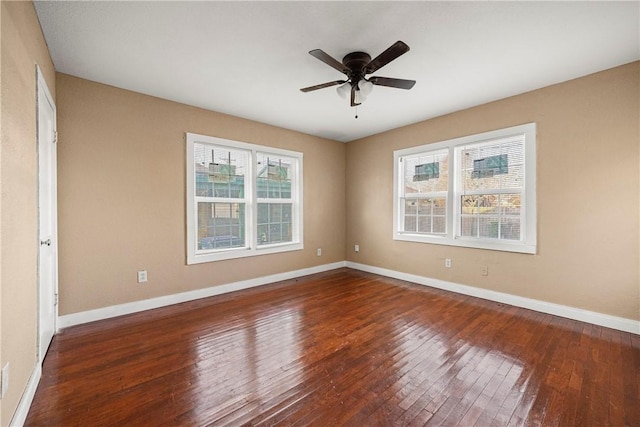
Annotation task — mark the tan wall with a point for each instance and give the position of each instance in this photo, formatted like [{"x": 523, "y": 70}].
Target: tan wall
[
  {"x": 23, "y": 47},
  {"x": 587, "y": 191},
  {"x": 122, "y": 208},
  {"x": 121, "y": 197}
]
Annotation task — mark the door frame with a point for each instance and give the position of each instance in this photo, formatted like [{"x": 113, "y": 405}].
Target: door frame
[{"x": 43, "y": 90}]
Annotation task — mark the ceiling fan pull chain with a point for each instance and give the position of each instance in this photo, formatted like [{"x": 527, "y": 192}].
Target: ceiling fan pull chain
[{"x": 356, "y": 111}]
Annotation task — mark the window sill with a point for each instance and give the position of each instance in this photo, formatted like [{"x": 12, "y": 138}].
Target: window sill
[
  {"x": 235, "y": 253},
  {"x": 517, "y": 247}
]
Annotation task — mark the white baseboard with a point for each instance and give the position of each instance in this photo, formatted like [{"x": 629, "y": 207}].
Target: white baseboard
[
  {"x": 20, "y": 416},
  {"x": 619, "y": 323},
  {"x": 148, "y": 304}
]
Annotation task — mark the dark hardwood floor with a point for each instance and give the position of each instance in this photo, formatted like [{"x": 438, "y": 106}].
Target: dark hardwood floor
[{"x": 340, "y": 348}]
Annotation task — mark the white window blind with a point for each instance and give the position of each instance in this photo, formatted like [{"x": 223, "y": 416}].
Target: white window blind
[
  {"x": 490, "y": 194},
  {"x": 424, "y": 192}
]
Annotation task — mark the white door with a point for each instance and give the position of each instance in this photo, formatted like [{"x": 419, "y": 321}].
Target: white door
[{"x": 47, "y": 207}]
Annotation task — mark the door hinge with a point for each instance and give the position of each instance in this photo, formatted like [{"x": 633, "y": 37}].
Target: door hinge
[
  {"x": 56, "y": 299},
  {"x": 55, "y": 136}
]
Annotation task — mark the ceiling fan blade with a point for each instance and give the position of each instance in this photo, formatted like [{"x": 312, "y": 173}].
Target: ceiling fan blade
[
  {"x": 394, "y": 51},
  {"x": 390, "y": 82},
  {"x": 353, "y": 97},
  {"x": 328, "y": 59},
  {"x": 323, "y": 85}
]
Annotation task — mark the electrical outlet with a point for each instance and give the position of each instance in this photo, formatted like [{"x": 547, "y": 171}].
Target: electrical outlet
[
  {"x": 5, "y": 380},
  {"x": 484, "y": 270},
  {"x": 319, "y": 252},
  {"x": 142, "y": 276},
  {"x": 356, "y": 248},
  {"x": 447, "y": 263}
]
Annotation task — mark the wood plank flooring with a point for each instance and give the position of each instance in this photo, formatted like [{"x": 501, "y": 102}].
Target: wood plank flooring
[{"x": 340, "y": 348}]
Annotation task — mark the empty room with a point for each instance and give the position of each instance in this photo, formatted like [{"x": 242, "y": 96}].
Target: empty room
[{"x": 320, "y": 213}]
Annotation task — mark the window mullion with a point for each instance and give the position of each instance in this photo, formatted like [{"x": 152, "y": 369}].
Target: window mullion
[
  {"x": 267, "y": 200},
  {"x": 206, "y": 199},
  {"x": 491, "y": 191}
]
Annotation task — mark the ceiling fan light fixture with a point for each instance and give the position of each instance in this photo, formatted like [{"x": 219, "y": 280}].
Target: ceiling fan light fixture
[
  {"x": 344, "y": 90},
  {"x": 360, "y": 97},
  {"x": 365, "y": 87}
]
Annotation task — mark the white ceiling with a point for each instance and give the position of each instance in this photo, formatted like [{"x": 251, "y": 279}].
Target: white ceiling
[{"x": 249, "y": 59}]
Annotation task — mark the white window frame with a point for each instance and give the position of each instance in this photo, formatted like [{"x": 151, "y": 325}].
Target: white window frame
[
  {"x": 527, "y": 245},
  {"x": 251, "y": 248}
]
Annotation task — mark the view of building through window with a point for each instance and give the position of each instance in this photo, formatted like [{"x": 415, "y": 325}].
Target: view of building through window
[
  {"x": 220, "y": 175},
  {"x": 492, "y": 178},
  {"x": 475, "y": 191},
  {"x": 246, "y": 199},
  {"x": 426, "y": 182}
]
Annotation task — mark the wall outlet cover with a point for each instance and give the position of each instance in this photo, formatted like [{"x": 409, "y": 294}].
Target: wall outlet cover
[{"x": 142, "y": 276}]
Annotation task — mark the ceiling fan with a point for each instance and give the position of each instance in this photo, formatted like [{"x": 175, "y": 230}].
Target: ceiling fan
[{"x": 356, "y": 66}]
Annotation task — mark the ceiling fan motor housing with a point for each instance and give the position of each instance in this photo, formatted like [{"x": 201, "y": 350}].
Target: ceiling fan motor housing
[{"x": 356, "y": 63}]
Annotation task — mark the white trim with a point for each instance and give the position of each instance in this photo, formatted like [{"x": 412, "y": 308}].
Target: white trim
[
  {"x": 606, "y": 320},
  {"x": 43, "y": 88},
  {"x": 148, "y": 304},
  {"x": 600, "y": 319},
  {"x": 614, "y": 322},
  {"x": 20, "y": 415}
]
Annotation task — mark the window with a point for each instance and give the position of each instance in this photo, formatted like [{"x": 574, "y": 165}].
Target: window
[
  {"x": 242, "y": 199},
  {"x": 477, "y": 191},
  {"x": 425, "y": 187}
]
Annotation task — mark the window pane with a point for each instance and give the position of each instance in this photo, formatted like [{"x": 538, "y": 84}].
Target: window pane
[
  {"x": 410, "y": 223},
  {"x": 510, "y": 229},
  {"x": 274, "y": 174},
  {"x": 424, "y": 224},
  {"x": 221, "y": 225},
  {"x": 510, "y": 204},
  {"x": 220, "y": 172},
  {"x": 425, "y": 215},
  {"x": 439, "y": 224},
  {"x": 263, "y": 213},
  {"x": 424, "y": 206},
  {"x": 488, "y": 227},
  {"x": 410, "y": 215},
  {"x": 493, "y": 216},
  {"x": 274, "y": 223},
  {"x": 469, "y": 226},
  {"x": 480, "y": 205},
  {"x": 426, "y": 173},
  {"x": 275, "y": 212},
  {"x": 410, "y": 207},
  {"x": 496, "y": 166}
]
